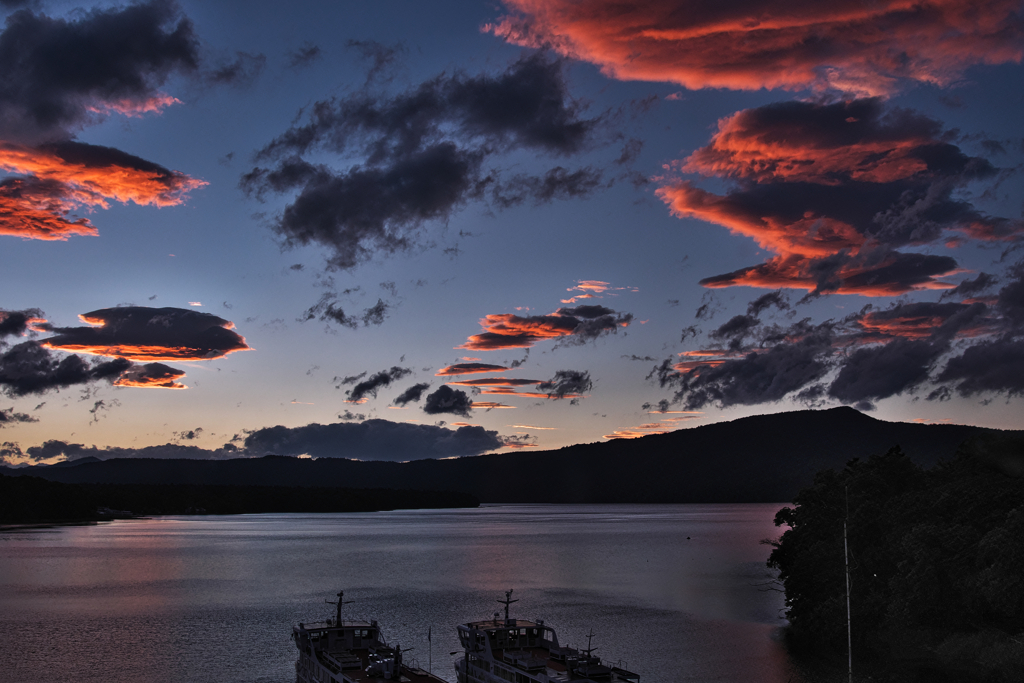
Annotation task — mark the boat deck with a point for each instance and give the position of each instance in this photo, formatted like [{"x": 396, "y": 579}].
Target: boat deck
[{"x": 409, "y": 674}]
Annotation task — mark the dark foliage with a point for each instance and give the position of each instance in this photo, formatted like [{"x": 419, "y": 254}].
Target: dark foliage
[
  {"x": 937, "y": 591},
  {"x": 31, "y": 499}
]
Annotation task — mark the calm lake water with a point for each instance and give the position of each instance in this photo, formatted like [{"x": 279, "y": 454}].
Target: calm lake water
[{"x": 670, "y": 590}]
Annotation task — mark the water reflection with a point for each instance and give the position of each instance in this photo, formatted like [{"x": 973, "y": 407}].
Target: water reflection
[{"x": 670, "y": 590}]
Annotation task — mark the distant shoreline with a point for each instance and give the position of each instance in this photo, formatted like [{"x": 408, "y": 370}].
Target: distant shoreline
[{"x": 27, "y": 500}]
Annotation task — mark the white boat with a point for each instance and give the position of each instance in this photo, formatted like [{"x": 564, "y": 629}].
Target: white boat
[
  {"x": 519, "y": 651},
  {"x": 338, "y": 651}
]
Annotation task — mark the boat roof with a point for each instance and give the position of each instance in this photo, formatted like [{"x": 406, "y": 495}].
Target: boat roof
[
  {"x": 320, "y": 625},
  {"x": 502, "y": 623}
]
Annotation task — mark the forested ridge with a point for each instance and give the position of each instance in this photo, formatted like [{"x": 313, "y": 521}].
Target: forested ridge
[
  {"x": 936, "y": 566},
  {"x": 34, "y": 500}
]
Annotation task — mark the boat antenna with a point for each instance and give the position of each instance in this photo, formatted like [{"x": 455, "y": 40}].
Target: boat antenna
[
  {"x": 846, "y": 558},
  {"x": 507, "y": 601},
  {"x": 590, "y": 637},
  {"x": 339, "y": 603}
]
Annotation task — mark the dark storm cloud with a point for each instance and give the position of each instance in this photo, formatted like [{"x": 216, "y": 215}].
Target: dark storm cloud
[
  {"x": 526, "y": 106},
  {"x": 30, "y": 368},
  {"x": 9, "y": 417},
  {"x": 413, "y": 393},
  {"x": 765, "y": 301},
  {"x": 1011, "y": 297},
  {"x": 150, "y": 334},
  {"x": 970, "y": 288},
  {"x": 558, "y": 183},
  {"x": 16, "y": 323},
  {"x": 378, "y": 56},
  {"x": 878, "y": 372},
  {"x": 571, "y": 383},
  {"x": 328, "y": 310},
  {"x": 865, "y": 357},
  {"x": 304, "y": 56},
  {"x": 56, "y": 74},
  {"x": 469, "y": 368},
  {"x": 371, "y": 385},
  {"x": 761, "y": 376},
  {"x": 736, "y": 329},
  {"x": 834, "y": 190},
  {"x": 422, "y": 154},
  {"x": 242, "y": 71},
  {"x": 170, "y": 451},
  {"x": 448, "y": 400},
  {"x": 994, "y": 366},
  {"x": 375, "y": 315},
  {"x": 367, "y": 440},
  {"x": 372, "y": 440},
  {"x": 373, "y": 210}
]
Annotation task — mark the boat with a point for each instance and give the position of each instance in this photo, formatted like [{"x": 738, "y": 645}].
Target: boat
[
  {"x": 339, "y": 651},
  {"x": 520, "y": 651},
  {"x": 494, "y": 651}
]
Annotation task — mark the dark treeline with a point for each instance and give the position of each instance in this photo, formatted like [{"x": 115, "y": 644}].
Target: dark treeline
[
  {"x": 33, "y": 500},
  {"x": 936, "y": 566}
]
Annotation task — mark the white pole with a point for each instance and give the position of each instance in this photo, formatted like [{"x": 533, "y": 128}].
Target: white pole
[{"x": 846, "y": 559}]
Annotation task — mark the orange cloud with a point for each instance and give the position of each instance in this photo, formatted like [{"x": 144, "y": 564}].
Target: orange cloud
[
  {"x": 808, "y": 235},
  {"x": 833, "y": 191},
  {"x": 769, "y": 144},
  {"x": 509, "y": 331},
  {"x": 61, "y": 177},
  {"x": 489, "y": 405},
  {"x": 919, "y": 320},
  {"x": 631, "y": 433},
  {"x": 27, "y": 212},
  {"x": 507, "y": 391},
  {"x": 96, "y": 174},
  {"x": 592, "y": 289},
  {"x": 151, "y": 376},
  {"x": 589, "y": 286},
  {"x": 847, "y": 45},
  {"x": 136, "y": 108}
]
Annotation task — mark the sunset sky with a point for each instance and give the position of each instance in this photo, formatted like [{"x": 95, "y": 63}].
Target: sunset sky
[{"x": 402, "y": 229}]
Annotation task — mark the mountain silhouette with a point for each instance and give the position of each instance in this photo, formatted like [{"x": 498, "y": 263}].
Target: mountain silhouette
[{"x": 765, "y": 458}]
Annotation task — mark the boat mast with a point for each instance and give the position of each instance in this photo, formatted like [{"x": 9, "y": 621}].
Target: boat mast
[
  {"x": 590, "y": 637},
  {"x": 507, "y": 601},
  {"x": 339, "y": 603}
]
